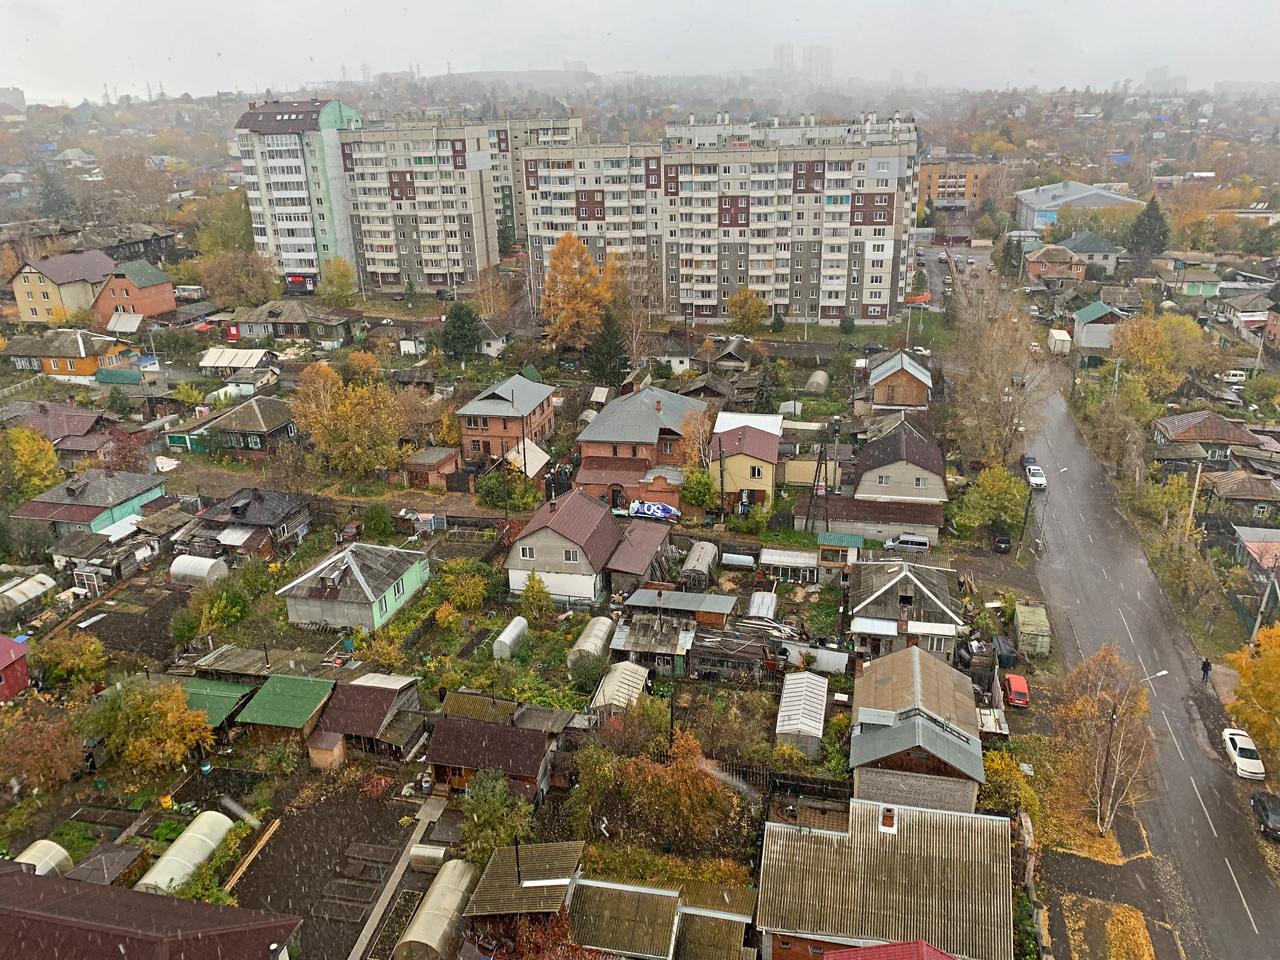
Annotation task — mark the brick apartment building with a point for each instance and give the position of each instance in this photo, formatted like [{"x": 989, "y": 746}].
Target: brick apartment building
[
  {"x": 814, "y": 218},
  {"x": 135, "y": 287},
  {"x": 503, "y": 415}
]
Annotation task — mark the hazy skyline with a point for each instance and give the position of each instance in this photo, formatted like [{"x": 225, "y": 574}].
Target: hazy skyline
[{"x": 252, "y": 46}]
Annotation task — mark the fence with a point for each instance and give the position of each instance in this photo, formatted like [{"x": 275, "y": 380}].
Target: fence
[{"x": 20, "y": 387}]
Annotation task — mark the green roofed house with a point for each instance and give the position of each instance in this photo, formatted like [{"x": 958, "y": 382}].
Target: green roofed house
[
  {"x": 835, "y": 552},
  {"x": 218, "y": 700},
  {"x": 1094, "y": 250},
  {"x": 1093, "y": 327},
  {"x": 285, "y": 706},
  {"x": 360, "y": 585}
]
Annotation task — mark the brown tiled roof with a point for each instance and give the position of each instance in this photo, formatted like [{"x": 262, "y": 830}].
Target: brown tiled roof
[
  {"x": 583, "y": 520},
  {"x": 903, "y": 442},
  {"x": 749, "y": 440},
  {"x": 871, "y": 511},
  {"x": 357, "y": 709},
  {"x": 624, "y": 470},
  {"x": 92, "y": 266},
  {"x": 48, "y": 917},
  {"x": 1241, "y": 485},
  {"x": 1205, "y": 426},
  {"x": 283, "y": 116},
  {"x": 640, "y": 543},
  {"x": 55, "y": 421},
  {"x": 487, "y": 746}
]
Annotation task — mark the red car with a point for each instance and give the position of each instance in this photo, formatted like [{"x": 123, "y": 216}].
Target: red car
[{"x": 1016, "y": 693}]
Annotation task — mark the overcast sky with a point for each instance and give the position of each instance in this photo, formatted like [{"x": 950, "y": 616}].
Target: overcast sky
[{"x": 67, "y": 50}]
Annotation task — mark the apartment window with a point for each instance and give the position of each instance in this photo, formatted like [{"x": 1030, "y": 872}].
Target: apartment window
[
  {"x": 397, "y": 588},
  {"x": 922, "y": 483},
  {"x": 473, "y": 423},
  {"x": 44, "y": 294},
  {"x": 571, "y": 556},
  {"x": 757, "y": 473},
  {"x": 30, "y": 295},
  {"x": 784, "y": 944},
  {"x": 26, "y": 278},
  {"x": 382, "y": 605},
  {"x": 882, "y": 479},
  {"x": 526, "y": 553}
]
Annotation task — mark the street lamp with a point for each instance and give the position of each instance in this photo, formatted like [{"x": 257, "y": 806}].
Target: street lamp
[{"x": 1162, "y": 673}]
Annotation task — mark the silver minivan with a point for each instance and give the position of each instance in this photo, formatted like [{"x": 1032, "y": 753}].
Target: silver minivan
[{"x": 908, "y": 543}]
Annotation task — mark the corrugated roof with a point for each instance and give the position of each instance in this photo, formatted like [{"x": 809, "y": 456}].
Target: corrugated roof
[
  {"x": 356, "y": 573},
  {"x": 504, "y": 890},
  {"x": 487, "y": 746},
  {"x": 90, "y": 266},
  {"x": 512, "y": 397},
  {"x": 216, "y": 698},
  {"x": 256, "y": 415},
  {"x": 105, "y": 863},
  {"x": 98, "y": 488},
  {"x": 903, "y": 443},
  {"x": 47, "y": 917},
  {"x": 840, "y": 540},
  {"x": 56, "y": 421},
  {"x": 621, "y": 686},
  {"x": 142, "y": 274},
  {"x": 802, "y": 708},
  {"x": 727, "y": 420},
  {"x": 1086, "y": 242},
  {"x": 628, "y": 919},
  {"x": 788, "y": 557},
  {"x": 1204, "y": 426},
  {"x": 61, "y": 343},
  {"x": 745, "y": 440},
  {"x": 690, "y": 602},
  {"x": 641, "y": 542},
  {"x": 1095, "y": 312},
  {"x": 915, "y": 730},
  {"x": 912, "y": 678},
  {"x": 583, "y": 520},
  {"x": 936, "y": 876},
  {"x": 640, "y": 417},
  {"x": 476, "y": 706},
  {"x": 874, "y": 591},
  {"x": 118, "y": 375},
  {"x": 231, "y": 357},
  {"x": 254, "y": 507},
  {"x": 358, "y": 710},
  {"x": 286, "y": 701}
]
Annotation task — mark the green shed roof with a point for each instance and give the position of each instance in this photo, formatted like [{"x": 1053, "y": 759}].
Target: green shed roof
[
  {"x": 530, "y": 372},
  {"x": 214, "y": 697},
  {"x": 285, "y": 701},
  {"x": 1031, "y": 617},
  {"x": 118, "y": 375},
  {"x": 1094, "y": 311},
  {"x": 143, "y": 274},
  {"x": 840, "y": 540}
]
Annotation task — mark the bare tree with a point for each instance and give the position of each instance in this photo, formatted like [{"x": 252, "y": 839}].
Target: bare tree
[
  {"x": 636, "y": 295},
  {"x": 1003, "y": 381},
  {"x": 1103, "y": 719},
  {"x": 695, "y": 437},
  {"x": 491, "y": 294}
]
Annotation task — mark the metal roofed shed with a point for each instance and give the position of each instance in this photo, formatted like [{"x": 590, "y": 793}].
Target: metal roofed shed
[
  {"x": 191, "y": 849},
  {"x": 215, "y": 698},
  {"x": 47, "y": 857},
  {"x": 107, "y": 863},
  {"x": 190, "y": 570},
  {"x": 1031, "y": 628},
  {"x": 699, "y": 567},
  {"x": 437, "y": 927},
  {"x": 531, "y": 878},
  {"x": 631, "y": 920},
  {"x": 763, "y": 604},
  {"x": 802, "y": 712},
  {"x": 708, "y": 609},
  {"x": 287, "y": 702},
  {"x": 511, "y": 639},
  {"x": 592, "y": 642},
  {"x": 619, "y": 688},
  {"x": 799, "y": 566},
  {"x": 939, "y": 876}
]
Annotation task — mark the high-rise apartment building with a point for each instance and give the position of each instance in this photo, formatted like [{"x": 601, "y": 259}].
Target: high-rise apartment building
[
  {"x": 293, "y": 180},
  {"x": 814, "y": 218},
  {"x": 784, "y": 58},
  {"x": 815, "y": 63}
]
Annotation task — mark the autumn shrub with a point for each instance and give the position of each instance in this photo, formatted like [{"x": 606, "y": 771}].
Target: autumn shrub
[
  {"x": 1007, "y": 787},
  {"x": 492, "y": 816},
  {"x": 625, "y": 861},
  {"x": 150, "y": 729},
  {"x": 378, "y": 523},
  {"x": 69, "y": 657}
]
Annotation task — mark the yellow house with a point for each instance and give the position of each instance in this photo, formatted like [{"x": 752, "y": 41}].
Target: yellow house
[
  {"x": 71, "y": 355},
  {"x": 50, "y": 289},
  {"x": 743, "y": 462}
]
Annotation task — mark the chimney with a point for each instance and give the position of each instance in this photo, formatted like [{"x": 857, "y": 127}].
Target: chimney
[
  {"x": 657, "y": 406},
  {"x": 551, "y": 506},
  {"x": 691, "y": 119}
]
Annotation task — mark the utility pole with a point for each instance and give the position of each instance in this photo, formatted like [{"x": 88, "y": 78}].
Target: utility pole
[
  {"x": 1106, "y": 769},
  {"x": 1191, "y": 510},
  {"x": 1026, "y": 514},
  {"x": 1115, "y": 382}
]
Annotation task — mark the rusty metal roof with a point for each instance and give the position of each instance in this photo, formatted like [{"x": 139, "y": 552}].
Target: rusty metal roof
[{"x": 539, "y": 886}]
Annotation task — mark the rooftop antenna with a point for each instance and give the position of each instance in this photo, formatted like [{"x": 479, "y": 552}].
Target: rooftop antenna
[{"x": 519, "y": 882}]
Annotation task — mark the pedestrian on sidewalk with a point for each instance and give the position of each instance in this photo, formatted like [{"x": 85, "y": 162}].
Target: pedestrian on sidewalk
[{"x": 1205, "y": 667}]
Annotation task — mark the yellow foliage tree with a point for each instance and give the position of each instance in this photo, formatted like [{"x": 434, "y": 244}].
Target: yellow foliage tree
[
  {"x": 337, "y": 286},
  {"x": 364, "y": 366},
  {"x": 1256, "y": 706},
  {"x": 1160, "y": 351},
  {"x": 747, "y": 312},
  {"x": 362, "y": 430},
  {"x": 150, "y": 729},
  {"x": 318, "y": 386},
  {"x": 33, "y": 465},
  {"x": 573, "y": 295},
  {"x": 448, "y": 617}
]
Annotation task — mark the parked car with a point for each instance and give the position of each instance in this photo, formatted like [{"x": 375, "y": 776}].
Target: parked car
[
  {"x": 922, "y": 351},
  {"x": 942, "y": 257},
  {"x": 1243, "y": 755},
  {"x": 444, "y": 293},
  {"x": 1036, "y": 478},
  {"x": 1266, "y": 807},
  {"x": 970, "y": 261},
  {"x": 908, "y": 543},
  {"x": 1016, "y": 691},
  {"x": 874, "y": 348},
  {"x": 1027, "y": 460},
  {"x": 1001, "y": 541}
]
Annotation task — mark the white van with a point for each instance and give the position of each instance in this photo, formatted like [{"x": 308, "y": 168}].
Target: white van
[
  {"x": 1235, "y": 376},
  {"x": 907, "y": 543}
]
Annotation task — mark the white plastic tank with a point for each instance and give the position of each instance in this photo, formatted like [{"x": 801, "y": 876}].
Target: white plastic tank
[
  {"x": 818, "y": 382},
  {"x": 196, "y": 571},
  {"x": 192, "y": 848},
  {"x": 47, "y": 857},
  {"x": 592, "y": 642},
  {"x": 763, "y": 603},
  {"x": 435, "y": 932},
  {"x": 511, "y": 639}
]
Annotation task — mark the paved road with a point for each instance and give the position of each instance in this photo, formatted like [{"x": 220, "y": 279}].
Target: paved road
[{"x": 1216, "y": 888}]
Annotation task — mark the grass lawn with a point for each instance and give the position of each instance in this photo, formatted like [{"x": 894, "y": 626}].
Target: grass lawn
[
  {"x": 76, "y": 838},
  {"x": 791, "y": 538}
]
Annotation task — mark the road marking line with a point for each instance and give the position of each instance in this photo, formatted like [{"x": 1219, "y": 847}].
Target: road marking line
[
  {"x": 1090, "y": 537},
  {"x": 1082, "y": 520},
  {"x": 1171, "y": 736},
  {"x": 1105, "y": 574},
  {"x": 1127, "y": 630},
  {"x": 1202, "y": 806},
  {"x": 1241, "y": 892}
]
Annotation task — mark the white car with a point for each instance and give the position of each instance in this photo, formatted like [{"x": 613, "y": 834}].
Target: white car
[
  {"x": 922, "y": 351},
  {"x": 1036, "y": 478},
  {"x": 1244, "y": 756}
]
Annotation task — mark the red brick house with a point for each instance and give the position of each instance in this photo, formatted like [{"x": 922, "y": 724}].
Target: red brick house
[
  {"x": 14, "y": 677},
  {"x": 1271, "y": 329},
  {"x": 504, "y": 414},
  {"x": 135, "y": 287},
  {"x": 631, "y": 450},
  {"x": 1054, "y": 263}
]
